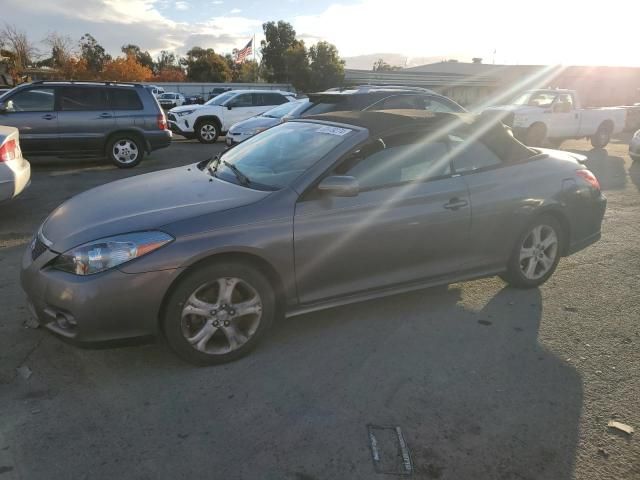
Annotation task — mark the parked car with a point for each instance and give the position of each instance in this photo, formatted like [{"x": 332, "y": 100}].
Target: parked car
[
  {"x": 555, "y": 115},
  {"x": 364, "y": 97},
  {"x": 121, "y": 121},
  {"x": 310, "y": 214},
  {"x": 206, "y": 122},
  {"x": 4, "y": 90},
  {"x": 214, "y": 92},
  {"x": 155, "y": 90},
  {"x": 171, "y": 99},
  {"x": 194, "y": 100},
  {"x": 634, "y": 147},
  {"x": 241, "y": 131},
  {"x": 15, "y": 171}
]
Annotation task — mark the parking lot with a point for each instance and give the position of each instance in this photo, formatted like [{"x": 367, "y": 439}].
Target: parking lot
[{"x": 485, "y": 381}]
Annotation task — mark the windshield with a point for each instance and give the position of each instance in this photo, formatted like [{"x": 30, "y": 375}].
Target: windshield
[
  {"x": 168, "y": 95},
  {"x": 284, "y": 109},
  {"x": 220, "y": 99},
  {"x": 535, "y": 99},
  {"x": 279, "y": 155}
]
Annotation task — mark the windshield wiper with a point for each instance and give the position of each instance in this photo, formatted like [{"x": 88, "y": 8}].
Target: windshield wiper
[
  {"x": 213, "y": 164},
  {"x": 242, "y": 178}
]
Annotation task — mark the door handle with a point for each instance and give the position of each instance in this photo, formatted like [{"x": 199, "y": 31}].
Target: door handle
[
  {"x": 455, "y": 204},
  {"x": 105, "y": 115},
  {"x": 49, "y": 116}
]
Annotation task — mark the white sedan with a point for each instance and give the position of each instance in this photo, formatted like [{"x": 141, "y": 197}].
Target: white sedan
[{"x": 15, "y": 171}]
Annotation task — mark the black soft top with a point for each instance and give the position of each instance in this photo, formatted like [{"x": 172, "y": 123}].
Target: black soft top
[{"x": 487, "y": 130}]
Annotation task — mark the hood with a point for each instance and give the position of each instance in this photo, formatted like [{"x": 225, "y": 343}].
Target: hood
[
  {"x": 564, "y": 155},
  {"x": 184, "y": 108},
  {"x": 143, "y": 202},
  {"x": 254, "y": 122}
]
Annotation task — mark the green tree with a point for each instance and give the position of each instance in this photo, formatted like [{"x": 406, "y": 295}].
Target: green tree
[
  {"x": 249, "y": 72},
  {"x": 205, "y": 65},
  {"x": 327, "y": 68},
  {"x": 297, "y": 71},
  {"x": 93, "y": 53},
  {"x": 143, "y": 58},
  {"x": 279, "y": 38},
  {"x": 165, "y": 61}
]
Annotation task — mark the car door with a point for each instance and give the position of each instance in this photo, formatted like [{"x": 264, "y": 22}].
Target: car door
[
  {"x": 409, "y": 222},
  {"x": 32, "y": 112},
  {"x": 239, "y": 108},
  {"x": 563, "y": 118},
  {"x": 266, "y": 101},
  {"x": 84, "y": 118}
]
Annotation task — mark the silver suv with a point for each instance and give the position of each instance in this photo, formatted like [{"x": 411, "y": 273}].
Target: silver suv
[{"x": 121, "y": 121}]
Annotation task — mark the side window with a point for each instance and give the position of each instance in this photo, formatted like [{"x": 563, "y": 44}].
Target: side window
[
  {"x": 435, "y": 105},
  {"x": 470, "y": 155},
  {"x": 32, "y": 100},
  {"x": 564, "y": 104},
  {"x": 413, "y": 102},
  {"x": 242, "y": 100},
  {"x": 275, "y": 99},
  {"x": 75, "y": 99},
  {"x": 124, "y": 99},
  {"x": 397, "y": 159}
]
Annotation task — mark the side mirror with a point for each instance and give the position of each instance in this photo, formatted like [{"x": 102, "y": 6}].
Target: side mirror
[
  {"x": 340, "y": 186},
  {"x": 229, "y": 107}
]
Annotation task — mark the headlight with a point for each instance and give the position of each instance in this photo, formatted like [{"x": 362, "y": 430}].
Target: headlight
[
  {"x": 106, "y": 253},
  {"x": 636, "y": 135},
  {"x": 185, "y": 112},
  {"x": 256, "y": 131}
]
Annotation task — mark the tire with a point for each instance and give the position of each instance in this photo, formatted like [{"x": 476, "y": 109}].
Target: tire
[
  {"x": 520, "y": 273},
  {"x": 204, "y": 328},
  {"x": 207, "y": 131},
  {"x": 536, "y": 134},
  {"x": 125, "y": 150},
  {"x": 602, "y": 137}
]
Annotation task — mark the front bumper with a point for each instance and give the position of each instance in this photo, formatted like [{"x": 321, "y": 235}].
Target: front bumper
[
  {"x": 106, "y": 306},
  {"x": 180, "y": 125}
]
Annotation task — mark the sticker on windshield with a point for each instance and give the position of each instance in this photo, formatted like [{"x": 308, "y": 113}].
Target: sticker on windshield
[{"x": 334, "y": 131}]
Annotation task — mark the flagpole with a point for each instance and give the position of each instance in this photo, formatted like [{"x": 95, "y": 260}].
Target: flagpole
[{"x": 255, "y": 76}]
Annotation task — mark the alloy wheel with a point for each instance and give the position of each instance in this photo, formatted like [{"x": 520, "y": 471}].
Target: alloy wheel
[
  {"x": 125, "y": 151},
  {"x": 221, "y": 316},
  {"x": 538, "y": 252},
  {"x": 208, "y": 132}
]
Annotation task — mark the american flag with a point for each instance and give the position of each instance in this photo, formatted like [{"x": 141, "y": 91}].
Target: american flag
[{"x": 241, "y": 55}]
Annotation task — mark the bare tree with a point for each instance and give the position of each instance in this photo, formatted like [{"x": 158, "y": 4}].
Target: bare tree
[
  {"x": 62, "y": 48},
  {"x": 17, "y": 42}
]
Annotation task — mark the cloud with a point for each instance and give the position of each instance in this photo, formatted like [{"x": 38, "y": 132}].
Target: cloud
[
  {"x": 181, "y": 5},
  {"x": 235, "y": 10},
  {"x": 217, "y": 2}
]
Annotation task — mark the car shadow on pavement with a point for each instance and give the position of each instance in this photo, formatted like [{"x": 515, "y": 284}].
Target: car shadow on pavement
[
  {"x": 609, "y": 170},
  {"x": 460, "y": 370}
]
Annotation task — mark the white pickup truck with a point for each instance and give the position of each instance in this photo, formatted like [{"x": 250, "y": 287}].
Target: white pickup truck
[{"x": 554, "y": 115}]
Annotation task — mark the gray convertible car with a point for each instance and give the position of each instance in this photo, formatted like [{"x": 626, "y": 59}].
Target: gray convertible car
[{"x": 310, "y": 214}]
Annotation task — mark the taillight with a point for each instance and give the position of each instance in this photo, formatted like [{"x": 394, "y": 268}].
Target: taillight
[
  {"x": 162, "y": 122},
  {"x": 8, "y": 151},
  {"x": 589, "y": 177}
]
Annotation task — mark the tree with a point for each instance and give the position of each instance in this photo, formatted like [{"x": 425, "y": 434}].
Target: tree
[
  {"x": 327, "y": 68},
  {"x": 297, "y": 68},
  {"x": 18, "y": 44},
  {"x": 165, "y": 60},
  {"x": 75, "y": 69},
  {"x": 381, "y": 66},
  {"x": 61, "y": 50},
  {"x": 279, "y": 39},
  {"x": 170, "y": 74},
  {"x": 143, "y": 58},
  {"x": 206, "y": 66},
  {"x": 93, "y": 53},
  {"x": 249, "y": 71},
  {"x": 126, "y": 70}
]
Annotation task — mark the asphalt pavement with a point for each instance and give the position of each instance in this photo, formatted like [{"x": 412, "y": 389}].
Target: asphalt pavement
[{"x": 484, "y": 381}]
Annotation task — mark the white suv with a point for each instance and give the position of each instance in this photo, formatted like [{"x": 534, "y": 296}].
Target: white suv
[{"x": 206, "y": 122}]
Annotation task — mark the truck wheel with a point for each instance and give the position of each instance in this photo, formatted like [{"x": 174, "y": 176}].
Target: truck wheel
[
  {"x": 207, "y": 131},
  {"x": 602, "y": 137},
  {"x": 535, "y": 135}
]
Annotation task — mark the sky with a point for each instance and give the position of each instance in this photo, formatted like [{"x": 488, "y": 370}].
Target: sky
[{"x": 570, "y": 32}]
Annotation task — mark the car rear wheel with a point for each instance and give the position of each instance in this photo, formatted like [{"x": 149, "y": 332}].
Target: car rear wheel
[
  {"x": 536, "y": 134},
  {"x": 536, "y": 254},
  {"x": 602, "y": 137},
  {"x": 207, "y": 131},
  {"x": 125, "y": 151},
  {"x": 218, "y": 313}
]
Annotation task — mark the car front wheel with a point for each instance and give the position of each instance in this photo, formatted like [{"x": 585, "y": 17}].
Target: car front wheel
[
  {"x": 207, "y": 131},
  {"x": 218, "y": 313},
  {"x": 536, "y": 254},
  {"x": 125, "y": 151}
]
